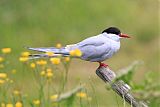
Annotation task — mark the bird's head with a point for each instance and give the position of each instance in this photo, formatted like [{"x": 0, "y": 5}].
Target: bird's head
[{"x": 115, "y": 31}]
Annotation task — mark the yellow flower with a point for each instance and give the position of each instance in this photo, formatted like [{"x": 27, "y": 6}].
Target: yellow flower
[
  {"x": 72, "y": 53},
  {"x": 76, "y": 52},
  {"x": 32, "y": 65},
  {"x": 3, "y": 75},
  {"x": 2, "y": 81},
  {"x": 54, "y": 97},
  {"x": 55, "y": 61},
  {"x": 42, "y": 73},
  {"x": 41, "y": 62},
  {"x": 58, "y": 45},
  {"x": 1, "y": 59},
  {"x": 9, "y": 105},
  {"x": 49, "y": 53},
  {"x": 49, "y": 70},
  {"x": 16, "y": 92},
  {"x": 18, "y": 104},
  {"x": 81, "y": 95},
  {"x": 13, "y": 71},
  {"x": 6, "y": 50},
  {"x": 2, "y": 104},
  {"x": 67, "y": 59},
  {"x": 25, "y": 54},
  {"x": 36, "y": 102},
  {"x": 23, "y": 59},
  {"x": 49, "y": 74}
]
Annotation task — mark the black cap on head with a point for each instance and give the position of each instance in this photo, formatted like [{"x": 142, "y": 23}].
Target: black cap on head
[{"x": 112, "y": 30}]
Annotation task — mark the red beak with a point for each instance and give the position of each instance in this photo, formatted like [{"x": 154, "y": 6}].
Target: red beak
[{"x": 124, "y": 36}]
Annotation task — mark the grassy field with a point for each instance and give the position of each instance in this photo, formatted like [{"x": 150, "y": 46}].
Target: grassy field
[{"x": 47, "y": 23}]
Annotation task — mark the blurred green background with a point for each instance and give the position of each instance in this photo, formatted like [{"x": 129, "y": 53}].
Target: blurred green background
[{"x": 43, "y": 23}]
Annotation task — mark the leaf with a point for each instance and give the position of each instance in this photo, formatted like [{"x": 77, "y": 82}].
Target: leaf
[
  {"x": 126, "y": 74},
  {"x": 70, "y": 101}
]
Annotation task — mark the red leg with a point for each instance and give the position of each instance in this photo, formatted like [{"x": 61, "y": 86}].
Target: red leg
[{"x": 102, "y": 65}]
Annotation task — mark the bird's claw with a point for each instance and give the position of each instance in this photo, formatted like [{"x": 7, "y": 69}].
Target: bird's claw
[{"x": 102, "y": 65}]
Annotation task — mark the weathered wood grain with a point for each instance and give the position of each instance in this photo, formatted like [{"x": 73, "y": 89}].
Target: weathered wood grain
[{"x": 119, "y": 86}]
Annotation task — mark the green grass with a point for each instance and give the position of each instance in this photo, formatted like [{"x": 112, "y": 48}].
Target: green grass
[{"x": 45, "y": 23}]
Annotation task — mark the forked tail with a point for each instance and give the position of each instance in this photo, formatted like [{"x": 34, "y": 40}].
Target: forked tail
[{"x": 56, "y": 52}]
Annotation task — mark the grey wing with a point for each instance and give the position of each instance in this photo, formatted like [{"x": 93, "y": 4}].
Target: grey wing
[
  {"x": 95, "y": 40},
  {"x": 94, "y": 49},
  {"x": 95, "y": 53}
]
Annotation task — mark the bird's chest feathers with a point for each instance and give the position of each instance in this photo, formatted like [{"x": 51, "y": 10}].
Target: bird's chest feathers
[{"x": 114, "y": 46}]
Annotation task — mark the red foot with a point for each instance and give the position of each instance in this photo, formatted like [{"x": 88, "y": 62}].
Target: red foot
[{"x": 102, "y": 65}]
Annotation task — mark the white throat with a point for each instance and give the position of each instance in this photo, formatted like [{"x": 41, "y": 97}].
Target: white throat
[{"x": 113, "y": 37}]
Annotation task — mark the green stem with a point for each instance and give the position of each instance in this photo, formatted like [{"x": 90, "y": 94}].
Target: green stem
[
  {"x": 48, "y": 96},
  {"x": 65, "y": 76},
  {"x": 92, "y": 86},
  {"x": 116, "y": 99},
  {"x": 41, "y": 94}
]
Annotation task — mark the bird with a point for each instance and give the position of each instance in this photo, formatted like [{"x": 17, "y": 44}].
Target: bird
[{"x": 94, "y": 49}]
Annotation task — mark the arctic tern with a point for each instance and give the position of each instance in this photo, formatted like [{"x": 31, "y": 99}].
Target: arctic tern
[{"x": 94, "y": 49}]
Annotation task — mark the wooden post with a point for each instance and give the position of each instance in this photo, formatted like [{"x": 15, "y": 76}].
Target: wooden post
[{"x": 119, "y": 86}]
